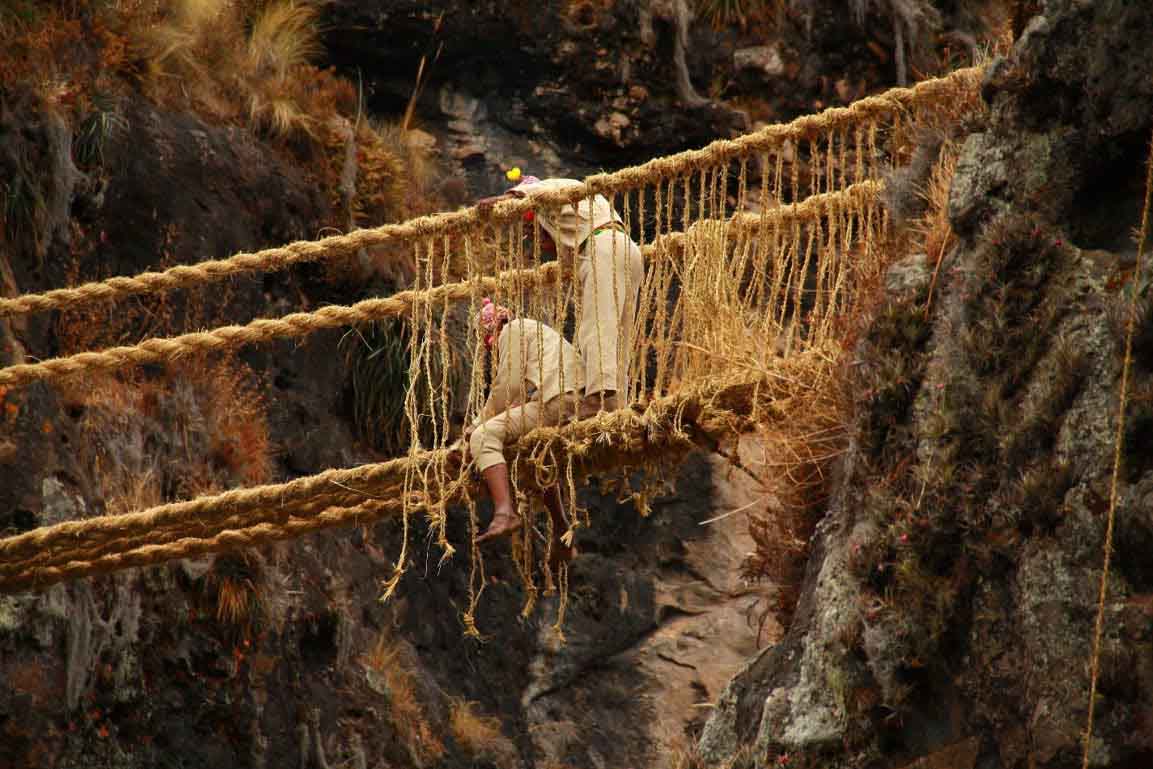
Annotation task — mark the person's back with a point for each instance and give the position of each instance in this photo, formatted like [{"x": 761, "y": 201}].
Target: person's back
[
  {"x": 532, "y": 353},
  {"x": 570, "y": 224},
  {"x": 610, "y": 267}
]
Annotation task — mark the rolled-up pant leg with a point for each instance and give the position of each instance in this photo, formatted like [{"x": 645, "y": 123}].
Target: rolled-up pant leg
[
  {"x": 490, "y": 437},
  {"x": 610, "y": 272}
]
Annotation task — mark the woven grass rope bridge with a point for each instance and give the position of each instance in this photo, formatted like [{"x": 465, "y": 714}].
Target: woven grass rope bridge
[{"x": 756, "y": 250}]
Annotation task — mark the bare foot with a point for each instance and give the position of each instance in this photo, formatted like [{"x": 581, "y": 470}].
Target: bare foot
[{"x": 503, "y": 522}]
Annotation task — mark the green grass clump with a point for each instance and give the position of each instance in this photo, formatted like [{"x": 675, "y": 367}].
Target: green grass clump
[{"x": 379, "y": 359}]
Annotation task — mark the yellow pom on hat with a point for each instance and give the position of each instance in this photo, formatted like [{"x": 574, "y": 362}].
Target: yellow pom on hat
[{"x": 513, "y": 174}]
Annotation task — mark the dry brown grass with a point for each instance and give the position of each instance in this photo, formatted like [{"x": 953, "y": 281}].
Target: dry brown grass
[
  {"x": 933, "y": 230},
  {"x": 396, "y": 179},
  {"x": 743, "y": 13},
  {"x": 235, "y": 421},
  {"x": 480, "y": 736},
  {"x": 143, "y": 442},
  {"x": 684, "y": 753},
  {"x": 405, "y": 710},
  {"x": 232, "y": 59},
  {"x": 795, "y": 464},
  {"x": 421, "y": 174},
  {"x": 237, "y": 585},
  {"x": 233, "y": 600}
]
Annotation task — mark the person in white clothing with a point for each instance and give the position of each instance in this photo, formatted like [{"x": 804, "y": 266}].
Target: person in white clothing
[
  {"x": 610, "y": 269},
  {"x": 530, "y": 357}
]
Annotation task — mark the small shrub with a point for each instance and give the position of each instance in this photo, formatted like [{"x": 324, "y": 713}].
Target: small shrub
[
  {"x": 235, "y": 423},
  {"x": 96, "y": 129}
]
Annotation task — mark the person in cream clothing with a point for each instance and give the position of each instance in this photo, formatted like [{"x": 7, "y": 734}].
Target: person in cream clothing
[
  {"x": 529, "y": 354},
  {"x": 610, "y": 270}
]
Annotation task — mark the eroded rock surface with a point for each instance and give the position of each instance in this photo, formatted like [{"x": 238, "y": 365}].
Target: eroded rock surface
[{"x": 948, "y": 608}]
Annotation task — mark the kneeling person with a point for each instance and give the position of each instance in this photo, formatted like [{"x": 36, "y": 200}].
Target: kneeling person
[{"x": 528, "y": 354}]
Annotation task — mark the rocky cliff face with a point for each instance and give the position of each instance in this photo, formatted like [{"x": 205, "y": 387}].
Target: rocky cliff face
[
  {"x": 949, "y": 604},
  {"x": 573, "y": 88}
]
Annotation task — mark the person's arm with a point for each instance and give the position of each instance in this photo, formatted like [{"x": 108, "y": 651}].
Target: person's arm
[{"x": 485, "y": 205}]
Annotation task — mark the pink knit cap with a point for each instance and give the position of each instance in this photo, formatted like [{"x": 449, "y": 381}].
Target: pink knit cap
[{"x": 490, "y": 317}]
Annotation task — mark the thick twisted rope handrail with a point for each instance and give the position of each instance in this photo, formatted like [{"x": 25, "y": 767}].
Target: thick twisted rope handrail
[
  {"x": 187, "y": 547},
  {"x": 84, "y": 547},
  {"x": 265, "y": 329},
  {"x": 720, "y": 151},
  {"x": 189, "y": 275},
  {"x": 333, "y": 486},
  {"x": 161, "y": 349}
]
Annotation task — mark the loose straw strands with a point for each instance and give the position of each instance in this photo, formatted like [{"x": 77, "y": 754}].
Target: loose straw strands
[
  {"x": 270, "y": 513},
  {"x": 652, "y": 172},
  {"x": 157, "y": 350}
]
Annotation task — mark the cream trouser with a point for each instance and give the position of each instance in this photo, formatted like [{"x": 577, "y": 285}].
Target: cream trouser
[
  {"x": 610, "y": 270},
  {"x": 491, "y": 436}
]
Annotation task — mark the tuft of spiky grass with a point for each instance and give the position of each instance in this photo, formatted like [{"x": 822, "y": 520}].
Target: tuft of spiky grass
[
  {"x": 378, "y": 358},
  {"x": 933, "y": 230},
  {"x": 725, "y": 13},
  {"x": 284, "y": 40},
  {"x": 97, "y": 129},
  {"x": 284, "y": 37},
  {"x": 480, "y": 735},
  {"x": 238, "y": 432},
  {"x": 278, "y": 114},
  {"x": 419, "y": 171},
  {"x": 235, "y": 581},
  {"x": 22, "y": 208},
  {"x": 386, "y": 658},
  {"x": 196, "y": 40}
]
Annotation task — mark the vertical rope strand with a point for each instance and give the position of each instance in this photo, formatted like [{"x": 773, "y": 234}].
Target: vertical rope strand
[{"x": 1099, "y": 623}]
